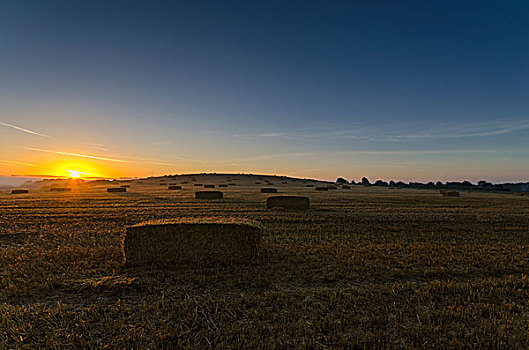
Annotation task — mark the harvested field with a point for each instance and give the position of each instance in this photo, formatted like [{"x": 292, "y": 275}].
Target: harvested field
[
  {"x": 208, "y": 195},
  {"x": 200, "y": 241},
  {"x": 116, "y": 189},
  {"x": 288, "y": 202},
  {"x": 60, "y": 189},
  {"x": 175, "y": 187},
  {"x": 370, "y": 267},
  {"x": 268, "y": 190}
]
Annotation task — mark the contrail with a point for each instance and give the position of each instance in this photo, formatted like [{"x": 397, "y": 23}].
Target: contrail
[
  {"x": 17, "y": 163},
  {"x": 22, "y": 129},
  {"x": 76, "y": 155}
]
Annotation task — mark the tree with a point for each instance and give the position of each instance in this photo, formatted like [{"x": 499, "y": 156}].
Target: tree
[
  {"x": 381, "y": 183},
  {"x": 365, "y": 181},
  {"x": 341, "y": 180}
]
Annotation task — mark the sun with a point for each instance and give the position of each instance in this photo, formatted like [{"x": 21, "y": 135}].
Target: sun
[{"x": 75, "y": 174}]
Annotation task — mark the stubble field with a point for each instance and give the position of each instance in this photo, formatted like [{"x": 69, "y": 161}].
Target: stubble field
[{"x": 365, "y": 267}]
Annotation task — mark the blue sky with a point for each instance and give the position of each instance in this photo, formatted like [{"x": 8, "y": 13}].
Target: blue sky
[{"x": 393, "y": 90}]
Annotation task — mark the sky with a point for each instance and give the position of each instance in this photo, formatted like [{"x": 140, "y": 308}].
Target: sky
[{"x": 402, "y": 90}]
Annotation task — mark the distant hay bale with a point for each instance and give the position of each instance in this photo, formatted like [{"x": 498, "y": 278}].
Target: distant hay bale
[
  {"x": 449, "y": 193},
  {"x": 208, "y": 195},
  {"x": 232, "y": 184},
  {"x": 172, "y": 184},
  {"x": 288, "y": 202},
  {"x": 258, "y": 183},
  {"x": 209, "y": 186},
  {"x": 268, "y": 190},
  {"x": 169, "y": 243},
  {"x": 175, "y": 187},
  {"x": 197, "y": 185},
  {"x": 284, "y": 182},
  {"x": 332, "y": 187},
  {"x": 60, "y": 189},
  {"x": 309, "y": 185},
  {"x": 346, "y": 187},
  {"x": 223, "y": 185},
  {"x": 322, "y": 188},
  {"x": 184, "y": 182},
  {"x": 19, "y": 191},
  {"x": 116, "y": 189}
]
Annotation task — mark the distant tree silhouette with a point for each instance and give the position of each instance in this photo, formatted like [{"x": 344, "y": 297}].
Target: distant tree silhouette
[
  {"x": 381, "y": 183},
  {"x": 392, "y": 183},
  {"x": 341, "y": 180},
  {"x": 365, "y": 181}
]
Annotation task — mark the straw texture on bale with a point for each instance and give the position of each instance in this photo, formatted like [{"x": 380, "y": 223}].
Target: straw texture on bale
[
  {"x": 19, "y": 191},
  {"x": 209, "y": 186},
  {"x": 208, "y": 195},
  {"x": 117, "y": 189},
  {"x": 60, "y": 189},
  {"x": 176, "y": 187},
  {"x": 287, "y": 202},
  {"x": 322, "y": 188},
  {"x": 268, "y": 190},
  {"x": 169, "y": 243}
]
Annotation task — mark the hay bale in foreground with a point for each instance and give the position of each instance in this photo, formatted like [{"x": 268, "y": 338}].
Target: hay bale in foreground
[
  {"x": 208, "y": 195},
  {"x": 175, "y": 187},
  {"x": 168, "y": 243},
  {"x": 288, "y": 202},
  {"x": 19, "y": 191},
  {"x": 322, "y": 188},
  {"x": 209, "y": 186},
  {"x": 60, "y": 189},
  {"x": 450, "y": 194},
  {"x": 268, "y": 190},
  {"x": 116, "y": 189}
]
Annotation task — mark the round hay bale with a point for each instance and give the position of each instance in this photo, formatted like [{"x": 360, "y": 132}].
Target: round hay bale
[
  {"x": 309, "y": 185},
  {"x": 184, "y": 182},
  {"x": 322, "y": 188},
  {"x": 175, "y": 187},
  {"x": 208, "y": 195},
  {"x": 197, "y": 185},
  {"x": 169, "y": 243},
  {"x": 450, "y": 194},
  {"x": 232, "y": 184},
  {"x": 209, "y": 186},
  {"x": 60, "y": 189},
  {"x": 19, "y": 191},
  {"x": 223, "y": 185},
  {"x": 116, "y": 189},
  {"x": 258, "y": 183},
  {"x": 332, "y": 187},
  {"x": 268, "y": 190},
  {"x": 288, "y": 202}
]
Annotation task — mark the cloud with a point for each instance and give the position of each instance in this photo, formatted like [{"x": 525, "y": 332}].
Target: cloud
[
  {"x": 76, "y": 155},
  {"x": 23, "y": 130}
]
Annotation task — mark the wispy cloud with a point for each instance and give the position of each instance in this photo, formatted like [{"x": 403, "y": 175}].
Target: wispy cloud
[
  {"x": 17, "y": 163},
  {"x": 23, "y": 130},
  {"x": 76, "y": 155}
]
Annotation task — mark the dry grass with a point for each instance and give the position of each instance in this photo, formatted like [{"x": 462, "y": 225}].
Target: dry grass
[
  {"x": 208, "y": 195},
  {"x": 288, "y": 202},
  {"x": 365, "y": 268}
]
